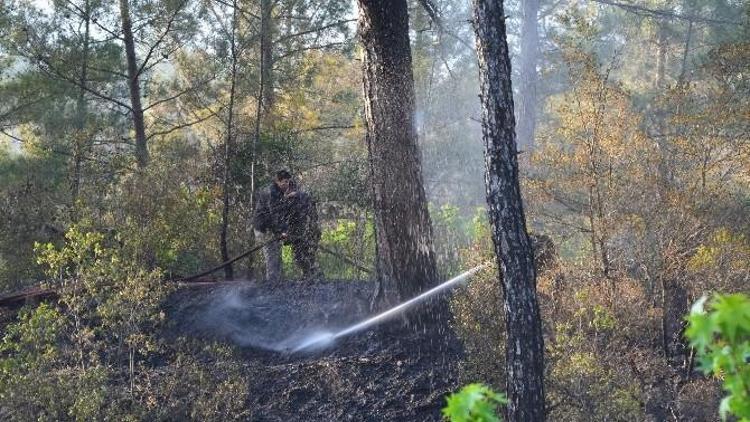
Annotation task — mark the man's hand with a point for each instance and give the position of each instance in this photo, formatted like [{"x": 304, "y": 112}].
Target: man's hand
[
  {"x": 283, "y": 236},
  {"x": 290, "y": 194}
]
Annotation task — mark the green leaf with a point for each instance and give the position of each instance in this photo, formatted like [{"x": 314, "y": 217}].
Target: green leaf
[{"x": 474, "y": 403}]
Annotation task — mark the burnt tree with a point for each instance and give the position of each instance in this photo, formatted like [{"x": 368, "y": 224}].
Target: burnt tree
[
  {"x": 515, "y": 256},
  {"x": 405, "y": 258}
]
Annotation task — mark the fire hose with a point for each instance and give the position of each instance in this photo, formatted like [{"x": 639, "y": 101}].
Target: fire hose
[
  {"x": 257, "y": 248},
  {"x": 228, "y": 262},
  {"x": 39, "y": 292}
]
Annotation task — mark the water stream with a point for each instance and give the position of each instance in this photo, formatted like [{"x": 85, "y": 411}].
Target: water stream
[{"x": 321, "y": 339}]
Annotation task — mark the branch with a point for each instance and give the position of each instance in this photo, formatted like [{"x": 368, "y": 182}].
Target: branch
[
  {"x": 113, "y": 72},
  {"x": 154, "y": 64},
  {"x": 434, "y": 14},
  {"x": 181, "y": 126},
  {"x": 668, "y": 14},
  {"x": 160, "y": 39},
  {"x": 52, "y": 150},
  {"x": 179, "y": 94},
  {"x": 310, "y": 31},
  {"x": 80, "y": 85},
  {"x": 239, "y": 9},
  {"x": 18, "y": 108},
  {"x": 315, "y": 129},
  {"x": 312, "y": 47}
]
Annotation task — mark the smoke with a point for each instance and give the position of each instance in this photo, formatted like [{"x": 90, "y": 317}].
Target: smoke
[
  {"x": 289, "y": 321},
  {"x": 277, "y": 319}
]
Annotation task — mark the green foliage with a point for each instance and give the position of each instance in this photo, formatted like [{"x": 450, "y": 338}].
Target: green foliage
[
  {"x": 30, "y": 341},
  {"x": 479, "y": 321},
  {"x": 95, "y": 357},
  {"x": 354, "y": 239},
  {"x": 162, "y": 217},
  {"x": 33, "y": 201},
  {"x": 721, "y": 338},
  {"x": 474, "y": 403}
]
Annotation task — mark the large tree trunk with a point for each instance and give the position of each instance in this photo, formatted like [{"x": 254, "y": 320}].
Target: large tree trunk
[
  {"x": 525, "y": 348},
  {"x": 405, "y": 261},
  {"x": 134, "y": 86},
  {"x": 527, "y": 95}
]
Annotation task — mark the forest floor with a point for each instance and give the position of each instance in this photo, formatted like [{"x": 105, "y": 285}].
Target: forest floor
[{"x": 387, "y": 373}]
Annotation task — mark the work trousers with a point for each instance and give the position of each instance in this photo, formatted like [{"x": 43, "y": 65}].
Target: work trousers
[{"x": 305, "y": 251}]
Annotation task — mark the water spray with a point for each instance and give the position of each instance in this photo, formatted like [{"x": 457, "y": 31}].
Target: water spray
[{"x": 322, "y": 339}]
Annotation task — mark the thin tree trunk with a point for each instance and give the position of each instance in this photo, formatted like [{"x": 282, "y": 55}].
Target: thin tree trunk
[
  {"x": 685, "y": 51},
  {"x": 525, "y": 344},
  {"x": 661, "y": 141},
  {"x": 141, "y": 149},
  {"x": 406, "y": 261},
  {"x": 228, "y": 142},
  {"x": 674, "y": 294},
  {"x": 262, "y": 107},
  {"x": 528, "y": 74},
  {"x": 81, "y": 105},
  {"x": 266, "y": 52}
]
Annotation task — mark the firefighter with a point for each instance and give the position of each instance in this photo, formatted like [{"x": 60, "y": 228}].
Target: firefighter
[{"x": 285, "y": 212}]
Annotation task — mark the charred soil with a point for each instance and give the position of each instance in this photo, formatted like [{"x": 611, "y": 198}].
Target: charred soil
[{"x": 388, "y": 373}]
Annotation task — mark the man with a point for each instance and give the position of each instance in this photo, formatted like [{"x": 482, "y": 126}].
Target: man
[{"x": 283, "y": 211}]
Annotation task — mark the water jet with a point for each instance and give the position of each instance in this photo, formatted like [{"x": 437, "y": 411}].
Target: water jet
[{"x": 323, "y": 339}]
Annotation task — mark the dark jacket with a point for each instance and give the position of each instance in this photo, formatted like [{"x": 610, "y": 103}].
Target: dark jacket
[{"x": 296, "y": 215}]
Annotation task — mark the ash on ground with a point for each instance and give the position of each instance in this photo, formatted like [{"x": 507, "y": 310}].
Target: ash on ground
[{"x": 388, "y": 373}]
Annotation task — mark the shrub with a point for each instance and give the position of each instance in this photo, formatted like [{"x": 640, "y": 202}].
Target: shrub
[
  {"x": 474, "y": 403},
  {"x": 721, "y": 338}
]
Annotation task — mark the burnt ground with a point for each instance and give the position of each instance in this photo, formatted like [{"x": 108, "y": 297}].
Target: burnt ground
[{"x": 388, "y": 373}]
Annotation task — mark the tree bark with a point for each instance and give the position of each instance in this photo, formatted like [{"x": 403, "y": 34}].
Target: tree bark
[
  {"x": 263, "y": 106},
  {"x": 141, "y": 149},
  {"x": 528, "y": 74},
  {"x": 228, "y": 144},
  {"x": 266, "y": 52},
  {"x": 405, "y": 259},
  {"x": 525, "y": 347},
  {"x": 81, "y": 104}
]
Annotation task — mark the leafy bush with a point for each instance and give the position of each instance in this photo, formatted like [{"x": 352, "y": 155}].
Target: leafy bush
[
  {"x": 352, "y": 239},
  {"x": 101, "y": 353},
  {"x": 474, "y": 403},
  {"x": 721, "y": 338}
]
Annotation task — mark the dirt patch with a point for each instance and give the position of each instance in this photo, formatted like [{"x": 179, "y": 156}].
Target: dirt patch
[{"x": 388, "y": 373}]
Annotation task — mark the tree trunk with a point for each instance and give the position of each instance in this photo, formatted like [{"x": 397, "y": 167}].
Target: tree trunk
[
  {"x": 141, "y": 150},
  {"x": 674, "y": 295},
  {"x": 266, "y": 51},
  {"x": 81, "y": 105},
  {"x": 661, "y": 114},
  {"x": 228, "y": 143},
  {"x": 263, "y": 106},
  {"x": 528, "y": 74},
  {"x": 405, "y": 260},
  {"x": 674, "y": 308},
  {"x": 525, "y": 347}
]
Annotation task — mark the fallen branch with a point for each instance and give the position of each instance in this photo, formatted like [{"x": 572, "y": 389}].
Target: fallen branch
[
  {"x": 345, "y": 259},
  {"x": 19, "y": 298}
]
